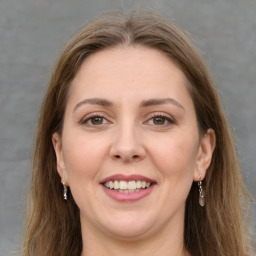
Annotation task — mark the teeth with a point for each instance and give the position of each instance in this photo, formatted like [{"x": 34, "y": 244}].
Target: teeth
[
  {"x": 111, "y": 184},
  {"x": 128, "y": 190},
  {"x": 139, "y": 184},
  {"x": 123, "y": 184},
  {"x": 116, "y": 184},
  {"x": 127, "y": 187},
  {"x": 132, "y": 184}
]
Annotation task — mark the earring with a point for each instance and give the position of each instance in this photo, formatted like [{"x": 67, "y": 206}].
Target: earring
[
  {"x": 201, "y": 193},
  {"x": 65, "y": 190}
]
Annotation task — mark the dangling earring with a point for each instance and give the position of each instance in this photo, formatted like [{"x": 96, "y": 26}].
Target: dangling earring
[
  {"x": 201, "y": 193},
  {"x": 65, "y": 190}
]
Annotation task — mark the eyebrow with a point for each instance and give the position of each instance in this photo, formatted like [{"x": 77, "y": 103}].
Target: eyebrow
[
  {"x": 145, "y": 103},
  {"x": 93, "y": 101},
  {"x": 154, "y": 102}
]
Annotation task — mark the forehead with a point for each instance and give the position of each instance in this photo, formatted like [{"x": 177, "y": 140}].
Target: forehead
[{"x": 136, "y": 70}]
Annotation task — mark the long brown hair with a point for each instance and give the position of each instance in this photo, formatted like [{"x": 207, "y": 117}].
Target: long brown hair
[{"x": 52, "y": 226}]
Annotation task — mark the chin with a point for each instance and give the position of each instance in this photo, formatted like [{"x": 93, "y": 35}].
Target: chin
[
  {"x": 129, "y": 232},
  {"x": 130, "y": 225}
]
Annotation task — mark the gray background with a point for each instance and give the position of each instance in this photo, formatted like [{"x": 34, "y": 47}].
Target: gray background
[{"x": 32, "y": 33}]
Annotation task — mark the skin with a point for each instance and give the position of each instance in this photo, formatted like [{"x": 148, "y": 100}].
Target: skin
[{"x": 159, "y": 141}]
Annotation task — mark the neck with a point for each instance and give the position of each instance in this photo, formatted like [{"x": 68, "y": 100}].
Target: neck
[
  {"x": 125, "y": 248},
  {"x": 168, "y": 242}
]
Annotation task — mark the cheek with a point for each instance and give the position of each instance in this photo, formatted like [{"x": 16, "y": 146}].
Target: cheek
[
  {"x": 175, "y": 158},
  {"x": 83, "y": 158},
  {"x": 83, "y": 161},
  {"x": 177, "y": 154}
]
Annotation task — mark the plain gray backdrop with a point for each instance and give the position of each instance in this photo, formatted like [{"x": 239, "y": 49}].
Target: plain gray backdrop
[{"x": 32, "y": 34}]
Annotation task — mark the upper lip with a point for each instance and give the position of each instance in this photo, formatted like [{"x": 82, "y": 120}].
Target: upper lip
[{"x": 135, "y": 177}]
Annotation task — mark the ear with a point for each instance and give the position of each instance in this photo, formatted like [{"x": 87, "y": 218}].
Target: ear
[
  {"x": 205, "y": 152},
  {"x": 61, "y": 167}
]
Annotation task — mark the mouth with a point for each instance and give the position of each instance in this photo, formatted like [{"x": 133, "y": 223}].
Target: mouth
[
  {"x": 128, "y": 188},
  {"x": 123, "y": 186}
]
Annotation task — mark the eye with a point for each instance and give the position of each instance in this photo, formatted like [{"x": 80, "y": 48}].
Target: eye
[
  {"x": 94, "y": 120},
  {"x": 160, "y": 120}
]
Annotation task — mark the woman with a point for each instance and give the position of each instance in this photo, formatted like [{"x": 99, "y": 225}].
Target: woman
[{"x": 133, "y": 153}]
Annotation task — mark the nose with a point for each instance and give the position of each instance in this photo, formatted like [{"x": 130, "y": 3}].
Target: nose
[{"x": 127, "y": 144}]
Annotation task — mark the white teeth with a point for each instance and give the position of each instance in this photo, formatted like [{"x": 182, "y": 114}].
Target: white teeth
[
  {"x": 116, "y": 184},
  {"x": 132, "y": 184},
  {"x": 111, "y": 184},
  {"x": 123, "y": 184},
  {"x": 128, "y": 190},
  {"x": 127, "y": 187},
  {"x": 139, "y": 184}
]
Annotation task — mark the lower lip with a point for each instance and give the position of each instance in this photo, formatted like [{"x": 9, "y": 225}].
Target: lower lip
[{"x": 128, "y": 197}]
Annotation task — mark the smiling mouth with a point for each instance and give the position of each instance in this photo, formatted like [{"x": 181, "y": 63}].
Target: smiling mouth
[{"x": 123, "y": 186}]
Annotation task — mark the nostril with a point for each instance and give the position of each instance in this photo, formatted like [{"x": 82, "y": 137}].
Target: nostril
[{"x": 133, "y": 157}]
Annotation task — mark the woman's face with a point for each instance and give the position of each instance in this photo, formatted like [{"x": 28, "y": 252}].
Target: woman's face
[{"x": 130, "y": 147}]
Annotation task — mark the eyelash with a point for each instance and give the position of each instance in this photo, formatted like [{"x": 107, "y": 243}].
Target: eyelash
[
  {"x": 166, "y": 118},
  {"x": 89, "y": 118}
]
